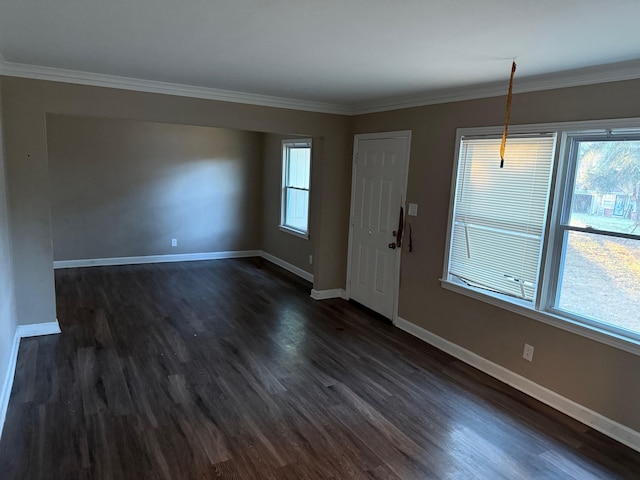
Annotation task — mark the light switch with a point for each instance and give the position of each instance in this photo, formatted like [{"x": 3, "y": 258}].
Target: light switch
[{"x": 413, "y": 209}]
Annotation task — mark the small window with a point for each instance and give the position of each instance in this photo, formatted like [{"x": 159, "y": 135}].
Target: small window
[{"x": 296, "y": 176}]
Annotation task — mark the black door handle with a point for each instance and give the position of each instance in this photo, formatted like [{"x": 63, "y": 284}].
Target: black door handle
[
  {"x": 392, "y": 245},
  {"x": 400, "y": 227}
]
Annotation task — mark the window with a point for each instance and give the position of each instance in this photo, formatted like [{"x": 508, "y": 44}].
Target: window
[
  {"x": 598, "y": 254},
  {"x": 296, "y": 174},
  {"x": 499, "y": 213},
  {"x": 574, "y": 261}
]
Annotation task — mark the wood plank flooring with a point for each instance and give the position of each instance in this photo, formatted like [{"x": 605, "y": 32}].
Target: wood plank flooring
[{"x": 227, "y": 369}]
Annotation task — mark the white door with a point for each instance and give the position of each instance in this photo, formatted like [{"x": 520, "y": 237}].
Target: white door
[{"x": 377, "y": 194}]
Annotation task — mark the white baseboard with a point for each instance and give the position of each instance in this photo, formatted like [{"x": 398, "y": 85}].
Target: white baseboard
[
  {"x": 327, "y": 294},
  {"x": 7, "y": 384},
  {"x": 287, "y": 266},
  {"x": 22, "y": 331},
  {"x": 593, "y": 419},
  {"x": 180, "y": 257},
  {"x": 37, "y": 329}
]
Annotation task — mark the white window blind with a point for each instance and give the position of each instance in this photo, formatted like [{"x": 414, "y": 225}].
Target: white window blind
[{"x": 500, "y": 213}]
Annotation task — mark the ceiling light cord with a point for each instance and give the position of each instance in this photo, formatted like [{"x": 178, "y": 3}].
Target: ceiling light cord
[{"x": 506, "y": 121}]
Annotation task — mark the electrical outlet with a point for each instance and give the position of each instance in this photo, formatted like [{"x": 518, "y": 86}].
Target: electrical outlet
[
  {"x": 174, "y": 242},
  {"x": 527, "y": 354},
  {"x": 310, "y": 259}
]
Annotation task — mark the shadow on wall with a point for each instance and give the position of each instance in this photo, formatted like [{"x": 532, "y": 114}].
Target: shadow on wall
[
  {"x": 207, "y": 199},
  {"x": 126, "y": 188}
]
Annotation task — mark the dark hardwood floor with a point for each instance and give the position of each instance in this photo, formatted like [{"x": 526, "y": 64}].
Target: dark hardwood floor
[{"x": 227, "y": 369}]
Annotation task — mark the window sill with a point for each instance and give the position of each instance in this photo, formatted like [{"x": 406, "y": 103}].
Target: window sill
[
  {"x": 294, "y": 232},
  {"x": 521, "y": 308}
]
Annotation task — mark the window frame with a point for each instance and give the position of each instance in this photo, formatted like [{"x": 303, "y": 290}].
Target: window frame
[
  {"x": 562, "y": 175},
  {"x": 561, "y": 220},
  {"x": 287, "y": 145},
  {"x": 455, "y": 194}
]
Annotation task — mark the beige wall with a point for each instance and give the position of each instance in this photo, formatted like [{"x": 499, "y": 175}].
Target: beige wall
[
  {"x": 27, "y": 103},
  {"x": 125, "y": 188},
  {"x": 7, "y": 305},
  {"x": 600, "y": 377},
  {"x": 285, "y": 246}
]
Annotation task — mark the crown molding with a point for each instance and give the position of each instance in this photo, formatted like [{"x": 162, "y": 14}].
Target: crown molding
[
  {"x": 613, "y": 72},
  {"x": 11, "y": 69}
]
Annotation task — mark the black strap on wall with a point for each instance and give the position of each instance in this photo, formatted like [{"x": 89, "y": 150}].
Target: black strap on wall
[{"x": 400, "y": 227}]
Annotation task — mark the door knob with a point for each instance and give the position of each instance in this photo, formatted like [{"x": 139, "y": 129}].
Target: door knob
[{"x": 392, "y": 245}]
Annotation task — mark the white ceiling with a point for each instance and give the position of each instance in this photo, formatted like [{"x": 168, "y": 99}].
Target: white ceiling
[{"x": 337, "y": 52}]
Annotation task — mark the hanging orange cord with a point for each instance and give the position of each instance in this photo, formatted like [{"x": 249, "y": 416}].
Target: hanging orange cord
[{"x": 506, "y": 122}]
